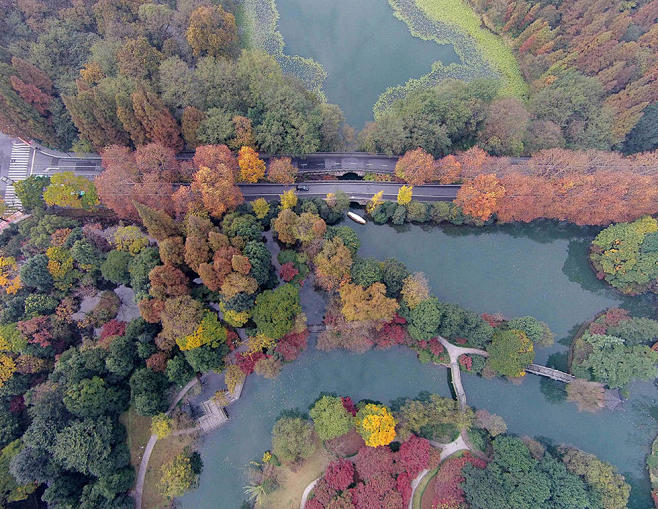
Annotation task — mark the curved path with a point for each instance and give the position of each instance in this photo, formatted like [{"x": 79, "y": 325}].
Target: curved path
[
  {"x": 141, "y": 474},
  {"x": 454, "y": 352}
]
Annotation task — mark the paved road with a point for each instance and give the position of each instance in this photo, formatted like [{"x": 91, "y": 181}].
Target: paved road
[{"x": 358, "y": 190}]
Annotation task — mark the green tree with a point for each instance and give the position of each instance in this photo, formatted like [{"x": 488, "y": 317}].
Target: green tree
[
  {"x": 30, "y": 191},
  {"x": 122, "y": 357},
  {"x": 139, "y": 269},
  {"x": 86, "y": 446},
  {"x": 636, "y": 331},
  {"x": 330, "y": 419},
  {"x": 275, "y": 310},
  {"x": 293, "y": 439},
  {"x": 366, "y": 271},
  {"x": 93, "y": 397},
  {"x": 510, "y": 352},
  {"x": 35, "y": 273},
  {"x": 158, "y": 223},
  {"x": 537, "y": 331},
  {"x": 115, "y": 267},
  {"x": 148, "y": 392}
]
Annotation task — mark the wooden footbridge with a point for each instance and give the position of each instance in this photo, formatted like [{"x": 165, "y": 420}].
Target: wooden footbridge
[{"x": 560, "y": 376}]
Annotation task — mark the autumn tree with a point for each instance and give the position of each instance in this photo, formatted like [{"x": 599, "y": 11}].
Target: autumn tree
[
  {"x": 158, "y": 123},
  {"x": 177, "y": 476},
  {"x": 376, "y": 425},
  {"x": 332, "y": 264},
  {"x": 190, "y": 122},
  {"x": 158, "y": 223},
  {"x": 252, "y": 169},
  {"x": 288, "y": 199},
  {"x": 447, "y": 170},
  {"x": 370, "y": 303},
  {"x": 415, "y": 289},
  {"x": 479, "y": 197},
  {"x": 219, "y": 194},
  {"x": 415, "y": 167},
  {"x": 211, "y": 31},
  {"x": 404, "y": 195},
  {"x": 281, "y": 171}
]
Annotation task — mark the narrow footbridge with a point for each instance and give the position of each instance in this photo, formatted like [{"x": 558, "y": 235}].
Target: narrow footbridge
[{"x": 554, "y": 374}]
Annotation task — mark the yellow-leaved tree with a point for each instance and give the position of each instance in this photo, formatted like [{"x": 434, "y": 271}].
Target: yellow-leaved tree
[
  {"x": 288, "y": 199},
  {"x": 260, "y": 207},
  {"x": 376, "y": 199},
  {"x": 9, "y": 278},
  {"x": 252, "y": 169},
  {"x": 404, "y": 194},
  {"x": 161, "y": 425},
  {"x": 376, "y": 425}
]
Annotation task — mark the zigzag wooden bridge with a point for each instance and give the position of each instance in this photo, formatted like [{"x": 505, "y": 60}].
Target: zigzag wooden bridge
[{"x": 554, "y": 374}]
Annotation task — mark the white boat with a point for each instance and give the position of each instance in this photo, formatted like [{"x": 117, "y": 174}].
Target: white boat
[{"x": 356, "y": 217}]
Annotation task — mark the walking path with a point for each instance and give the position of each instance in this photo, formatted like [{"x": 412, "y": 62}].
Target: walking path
[
  {"x": 454, "y": 352},
  {"x": 141, "y": 474}
]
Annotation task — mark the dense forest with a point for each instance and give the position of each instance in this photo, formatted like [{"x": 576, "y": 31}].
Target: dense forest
[
  {"x": 91, "y": 74},
  {"x": 591, "y": 68},
  {"x": 86, "y": 75}
]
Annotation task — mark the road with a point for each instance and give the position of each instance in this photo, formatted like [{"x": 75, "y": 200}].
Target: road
[
  {"x": 44, "y": 161},
  {"x": 357, "y": 190}
]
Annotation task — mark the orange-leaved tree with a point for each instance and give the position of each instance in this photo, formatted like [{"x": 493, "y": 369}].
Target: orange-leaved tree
[
  {"x": 478, "y": 197},
  {"x": 281, "y": 171},
  {"x": 416, "y": 167}
]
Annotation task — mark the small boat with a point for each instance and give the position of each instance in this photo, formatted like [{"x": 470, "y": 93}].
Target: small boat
[{"x": 356, "y": 218}]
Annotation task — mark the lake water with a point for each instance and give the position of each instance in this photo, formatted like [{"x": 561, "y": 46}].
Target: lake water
[
  {"x": 361, "y": 45},
  {"x": 539, "y": 270}
]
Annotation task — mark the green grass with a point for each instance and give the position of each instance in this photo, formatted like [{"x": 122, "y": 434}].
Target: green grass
[{"x": 493, "y": 48}]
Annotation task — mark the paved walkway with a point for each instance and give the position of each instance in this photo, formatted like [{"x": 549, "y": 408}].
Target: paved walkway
[
  {"x": 141, "y": 474},
  {"x": 454, "y": 352}
]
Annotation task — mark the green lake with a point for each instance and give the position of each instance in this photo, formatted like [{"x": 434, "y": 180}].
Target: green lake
[
  {"x": 363, "y": 48},
  {"x": 540, "y": 270}
]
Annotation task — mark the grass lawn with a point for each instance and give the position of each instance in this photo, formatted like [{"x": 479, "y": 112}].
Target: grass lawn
[
  {"x": 418, "y": 494},
  {"x": 139, "y": 431},
  {"x": 292, "y": 484},
  {"x": 164, "y": 450},
  {"x": 492, "y": 47}
]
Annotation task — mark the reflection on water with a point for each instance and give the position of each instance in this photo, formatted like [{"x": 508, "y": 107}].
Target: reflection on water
[{"x": 510, "y": 269}]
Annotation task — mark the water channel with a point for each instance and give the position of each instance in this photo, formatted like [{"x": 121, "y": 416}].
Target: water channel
[
  {"x": 539, "y": 270},
  {"x": 362, "y": 46}
]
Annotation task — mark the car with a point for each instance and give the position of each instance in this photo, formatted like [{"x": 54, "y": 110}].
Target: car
[{"x": 302, "y": 188}]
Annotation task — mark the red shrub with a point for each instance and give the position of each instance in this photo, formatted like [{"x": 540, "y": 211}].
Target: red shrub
[
  {"x": 17, "y": 404},
  {"x": 598, "y": 328},
  {"x": 466, "y": 362},
  {"x": 390, "y": 334},
  {"x": 323, "y": 493},
  {"x": 414, "y": 455},
  {"x": 435, "y": 347},
  {"x": 113, "y": 328},
  {"x": 157, "y": 362},
  {"x": 615, "y": 315},
  {"x": 447, "y": 483},
  {"x": 291, "y": 345},
  {"x": 393, "y": 500},
  {"x": 246, "y": 362},
  {"x": 461, "y": 341},
  {"x": 348, "y": 405},
  {"x": 339, "y": 474},
  {"x": 232, "y": 339},
  {"x": 288, "y": 272},
  {"x": 313, "y": 504},
  {"x": 371, "y": 461},
  {"x": 403, "y": 485}
]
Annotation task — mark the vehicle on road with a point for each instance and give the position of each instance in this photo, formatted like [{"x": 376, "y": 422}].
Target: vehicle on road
[{"x": 302, "y": 188}]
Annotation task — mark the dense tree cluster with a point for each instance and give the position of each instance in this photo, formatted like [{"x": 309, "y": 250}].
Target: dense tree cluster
[
  {"x": 614, "y": 350},
  {"x": 626, "y": 256},
  {"x": 111, "y": 74},
  {"x": 593, "y": 69}
]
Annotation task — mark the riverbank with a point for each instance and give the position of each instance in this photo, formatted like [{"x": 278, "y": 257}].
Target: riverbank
[{"x": 482, "y": 53}]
